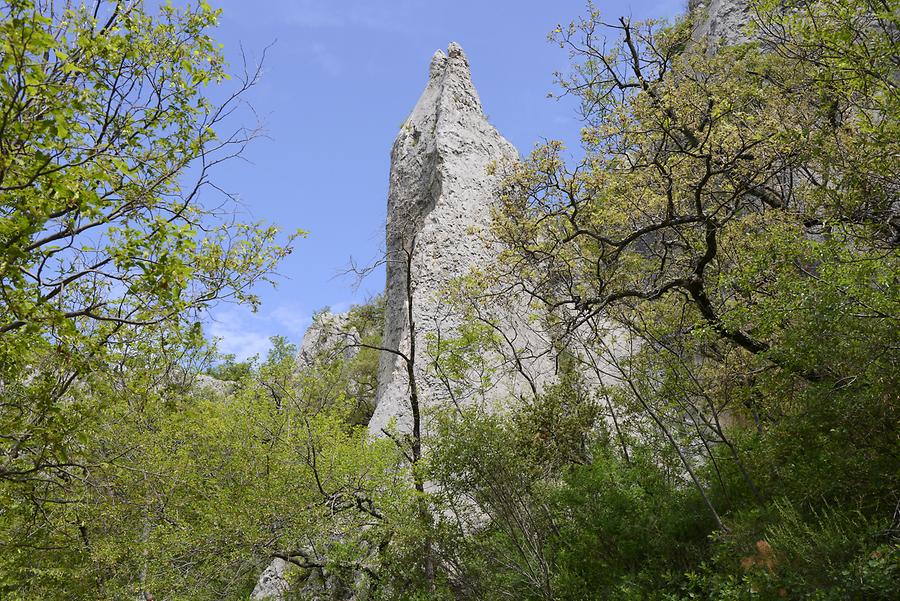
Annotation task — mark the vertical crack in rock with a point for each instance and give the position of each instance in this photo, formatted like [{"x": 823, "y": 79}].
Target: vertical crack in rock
[{"x": 439, "y": 200}]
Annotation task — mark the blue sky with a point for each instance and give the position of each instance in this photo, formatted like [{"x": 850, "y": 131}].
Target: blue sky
[{"x": 340, "y": 76}]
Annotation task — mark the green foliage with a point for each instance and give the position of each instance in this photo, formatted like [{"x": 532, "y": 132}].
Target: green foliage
[
  {"x": 106, "y": 239},
  {"x": 626, "y": 530},
  {"x": 734, "y": 216},
  {"x": 367, "y": 320},
  {"x": 111, "y": 253},
  {"x": 616, "y": 528},
  {"x": 229, "y": 369},
  {"x": 490, "y": 492},
  {"x": 192, "y": 493}
]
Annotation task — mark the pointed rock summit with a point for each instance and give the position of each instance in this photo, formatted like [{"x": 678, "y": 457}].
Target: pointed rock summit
[{"x": 440, "y": 198}]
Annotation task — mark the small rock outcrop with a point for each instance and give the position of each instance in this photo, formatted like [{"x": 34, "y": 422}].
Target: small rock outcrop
[
  {"x": 329, "y": 336},
  {"x": 272, "y": 584},
  {"x": 439, "y": 205},
  {"x": 217, "y": 388}
]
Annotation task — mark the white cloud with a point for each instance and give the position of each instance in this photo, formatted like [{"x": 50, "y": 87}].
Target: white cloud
[
  {"x": 293, "y": 319},
  {"x": 242, "y": 333},
  {"x": 238, "y": 336}
]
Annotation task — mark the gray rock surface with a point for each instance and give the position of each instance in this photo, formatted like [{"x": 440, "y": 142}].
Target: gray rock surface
[
  {"x": 272, "y": 583},
  {"x": 218, "y": 388},
  {"x": 439, "y": 205},
  {"x": 327, "y": 337},
  {"x": 722, "y": 22}
]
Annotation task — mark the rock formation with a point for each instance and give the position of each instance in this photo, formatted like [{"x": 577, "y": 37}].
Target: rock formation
[{"x": 439, "y": 204}]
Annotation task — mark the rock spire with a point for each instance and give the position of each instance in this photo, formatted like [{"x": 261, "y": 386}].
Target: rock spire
[{"x": 439, "y": 200}]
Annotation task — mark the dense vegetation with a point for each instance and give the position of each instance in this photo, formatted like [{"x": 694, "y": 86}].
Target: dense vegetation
[{"x": 733, "y": 224}]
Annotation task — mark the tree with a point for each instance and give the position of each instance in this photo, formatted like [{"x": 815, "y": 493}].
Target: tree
[
  {"x": 735, "y": 217},
  {"x": 114, "y": 237},
  {"x": 687, "y": 155},
  {"x": 107, "y": 143},
  {"x": 735, "y": 209}
]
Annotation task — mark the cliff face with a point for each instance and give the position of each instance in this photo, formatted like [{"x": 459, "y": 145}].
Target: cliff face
[{"x": 438, "y": 207}]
